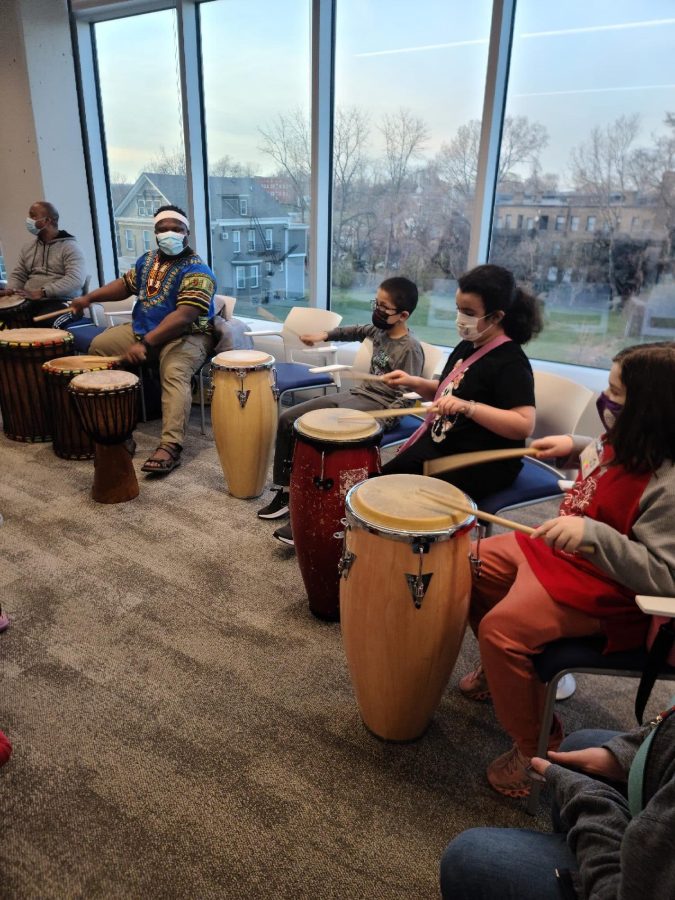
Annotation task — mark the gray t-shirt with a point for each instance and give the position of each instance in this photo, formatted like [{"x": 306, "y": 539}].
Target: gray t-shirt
[{"x": 388, "y": 354}]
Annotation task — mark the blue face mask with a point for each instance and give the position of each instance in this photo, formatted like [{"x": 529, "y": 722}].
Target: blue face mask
[
  {"x": 32, "y": 227},
  {"x": 170, "y": 242}
]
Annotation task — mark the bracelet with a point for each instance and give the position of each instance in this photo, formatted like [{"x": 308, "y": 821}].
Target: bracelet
[{"x": 470, "y": 410}]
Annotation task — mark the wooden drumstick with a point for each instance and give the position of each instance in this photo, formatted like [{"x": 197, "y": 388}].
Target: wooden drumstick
[
  {"x": 476, "y": 458},
  {"x": 487, "y": 517},
  {"x": 387, "y": 413},
  {"x": 361, "y": 376},
  {"x": 52, "y": 315},
  {"x": 90, "y": 358}
]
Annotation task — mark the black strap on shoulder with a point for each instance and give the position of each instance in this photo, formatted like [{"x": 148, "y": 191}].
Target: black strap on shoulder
[{"x": 656, "y": 661}]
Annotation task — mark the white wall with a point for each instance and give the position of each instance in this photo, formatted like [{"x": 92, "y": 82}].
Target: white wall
[{"x": 41, "y": 152}]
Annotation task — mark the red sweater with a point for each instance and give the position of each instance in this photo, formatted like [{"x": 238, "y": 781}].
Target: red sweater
[{"x": 611, "y": 495}]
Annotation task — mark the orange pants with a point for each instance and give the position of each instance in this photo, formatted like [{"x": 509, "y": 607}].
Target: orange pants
[{"x": 514, "y": 618}]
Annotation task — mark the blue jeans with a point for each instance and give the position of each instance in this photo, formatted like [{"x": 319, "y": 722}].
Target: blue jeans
[{"x": 511, "y": 863}]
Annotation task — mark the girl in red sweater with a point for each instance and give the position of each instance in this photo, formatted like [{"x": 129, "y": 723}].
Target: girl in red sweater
[{"x": 534, "y": 590}]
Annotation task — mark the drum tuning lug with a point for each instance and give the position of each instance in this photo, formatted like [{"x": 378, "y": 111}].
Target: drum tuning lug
[
  {"x": 242, "y": 397},
  {"x": 476, "y": 565},
  {"x": 323, "y": 484},
  {"x": 339, "y": 535},
  {"x": 346, "y": 562},
  {"x": 417, "y": 585},
  {"x": 276, "y": 393}
]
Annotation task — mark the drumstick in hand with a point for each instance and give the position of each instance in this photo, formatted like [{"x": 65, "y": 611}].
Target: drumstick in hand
[
  {"x": 52, "y": 315},
  {"x": 387, "y": 413},
  {"x": 487, "y": 517}
]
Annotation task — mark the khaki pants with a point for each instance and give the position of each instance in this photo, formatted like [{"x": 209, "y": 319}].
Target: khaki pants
[{"x": 178, "y": 361}]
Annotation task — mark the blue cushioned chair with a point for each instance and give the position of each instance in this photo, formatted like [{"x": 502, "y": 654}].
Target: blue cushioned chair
[{"x": 83, "y": 334}]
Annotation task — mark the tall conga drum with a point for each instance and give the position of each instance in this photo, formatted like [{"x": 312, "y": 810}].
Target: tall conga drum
[
  {"x": 244, "y": 418},
  {"x": 69, "y": 439},
  {"x": 23, "y": 390},
  {"x": 107, "y": 403},
  {"x": 330, "y": 456},
  {"x": 404, "y": 599},
  {"x": 15, "y": 312}
]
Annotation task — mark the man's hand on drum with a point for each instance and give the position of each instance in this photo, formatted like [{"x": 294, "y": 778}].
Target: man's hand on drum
[
  {"x": 311, "y": 339},
  {"x": 555, "y": 445},
  {"x": 136, "y": 354},
  {"x": 29, "y": 295},
  {"x": 564, "y": 533}
]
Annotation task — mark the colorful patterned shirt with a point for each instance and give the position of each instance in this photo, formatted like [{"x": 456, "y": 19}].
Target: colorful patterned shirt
[{"x": 164, "y": 283}]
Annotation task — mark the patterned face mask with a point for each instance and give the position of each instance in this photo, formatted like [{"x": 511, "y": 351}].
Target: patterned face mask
[{"x": 608, "y": 410}]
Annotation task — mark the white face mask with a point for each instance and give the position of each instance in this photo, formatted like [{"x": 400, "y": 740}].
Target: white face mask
[
  {"x": 467, "y": 326},
  {"x": 32, "y": 226},
  {"x": 170, "y": 242}
]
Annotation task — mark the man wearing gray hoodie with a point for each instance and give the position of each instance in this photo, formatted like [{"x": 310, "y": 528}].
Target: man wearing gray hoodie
[{"x": 51, "y": 267}]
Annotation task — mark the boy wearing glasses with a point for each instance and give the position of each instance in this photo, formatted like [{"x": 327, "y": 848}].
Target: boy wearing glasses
[{"x": 393, "y": 348}]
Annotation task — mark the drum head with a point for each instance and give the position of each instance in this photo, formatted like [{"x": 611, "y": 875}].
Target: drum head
[
  {"x": 242, "y": 359},
  {"x": 394, "y": 502},
  {"x": 333, "y": 425},
  {"x": 12, "y": 302},
  {"x": 74, "y": 365},
  {"x": 109, "y": 380},
  {"x": 35, "y": 337}
]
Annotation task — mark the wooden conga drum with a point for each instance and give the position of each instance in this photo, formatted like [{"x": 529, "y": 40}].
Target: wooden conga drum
[
  {"x": 404, "y": 599},
  {"x": 69, "y": 439},
  {"x": 23, "y": 389},
  {"x": 330, "y": 456},
  {"x": 107, "y": 403},
  {"x": 15, "y": 312},
  {"x": 244, "y": 418}
]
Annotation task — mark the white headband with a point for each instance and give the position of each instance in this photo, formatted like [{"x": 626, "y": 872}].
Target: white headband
[{"x": 172, "y": 214}]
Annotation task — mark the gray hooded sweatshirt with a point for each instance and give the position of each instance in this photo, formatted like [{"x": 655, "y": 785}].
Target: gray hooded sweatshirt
[{"x": 57, "y": 267}]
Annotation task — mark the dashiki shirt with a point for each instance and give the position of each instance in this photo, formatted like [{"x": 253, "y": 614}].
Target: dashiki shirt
[{"x": 162, "y": 283}]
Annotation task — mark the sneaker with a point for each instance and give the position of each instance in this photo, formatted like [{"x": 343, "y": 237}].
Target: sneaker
[
  {"x": 285, "y": 535},
  {"x": 277, "y": 507},
  {"x": 508, "y": 774},
  {"x": 474, "y": 686}
]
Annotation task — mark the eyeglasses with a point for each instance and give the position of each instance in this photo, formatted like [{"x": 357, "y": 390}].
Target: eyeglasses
[{"x": 385, "y": 310}]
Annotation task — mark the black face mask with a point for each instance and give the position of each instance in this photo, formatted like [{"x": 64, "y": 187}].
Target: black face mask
[{"x": 380, "y": 321}]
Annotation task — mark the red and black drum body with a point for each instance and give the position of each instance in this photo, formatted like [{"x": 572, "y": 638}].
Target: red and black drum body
[{"x": 331, "y": 455}]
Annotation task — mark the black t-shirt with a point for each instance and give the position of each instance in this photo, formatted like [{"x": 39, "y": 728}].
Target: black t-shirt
[{"x": 502, "y": 378}]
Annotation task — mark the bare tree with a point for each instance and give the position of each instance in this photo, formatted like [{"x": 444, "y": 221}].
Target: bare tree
[
  {"x": 226, "y": 167},
  {"x": 287, "y": 141},
  {"x": 350, "y": 136},
  {"x": 404, "y": 138},
  {"x": 167, "y": 163},
  {"x": 522, "y": 141}
]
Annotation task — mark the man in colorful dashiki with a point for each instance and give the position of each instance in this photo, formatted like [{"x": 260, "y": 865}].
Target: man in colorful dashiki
[{"x": 169, "y": 322}]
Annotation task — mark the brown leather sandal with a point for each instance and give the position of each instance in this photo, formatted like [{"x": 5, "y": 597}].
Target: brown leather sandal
[{"x": 156, "y": 466}]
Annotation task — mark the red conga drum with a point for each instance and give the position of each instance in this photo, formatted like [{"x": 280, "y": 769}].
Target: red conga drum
[
  {"x": 404, "y": 598},
  {"x": 70, "y": 440},
  {"x": 23, "y": 389},
  {"x": 331, "y": 455},
  {"x": 107, "y": 403},
  {"x": 15, "y": 312}
]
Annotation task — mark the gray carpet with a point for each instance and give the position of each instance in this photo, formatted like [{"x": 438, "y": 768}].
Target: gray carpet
[{"x": 183, "y": 727}]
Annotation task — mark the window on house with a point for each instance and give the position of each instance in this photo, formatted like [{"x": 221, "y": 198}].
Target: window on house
[
  {"x": 240, "y": 275},
  {"x": 520, "y": 222},
  {"x": 147, "y": 237},
  {"x": 129, "y": 242},
  {"x": 236, "y": 241},
  {"x": 254, "y": 276},
  {"x": 250, "y": 244},
  {"x": 530, "y": 223},
  {"x": 243, "y": 206},
  {"x": 268, "y": 238},
  {"x": 560, "y": 223},
  {"x": 574, "y": 223},
  {"x": 543, "y": 223},
  {"x": 590, "y": 223}
]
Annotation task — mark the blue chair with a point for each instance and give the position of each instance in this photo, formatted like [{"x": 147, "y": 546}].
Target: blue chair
[
  {"x": 83, "y": 334},
  {"x": 584, "y": 655}
]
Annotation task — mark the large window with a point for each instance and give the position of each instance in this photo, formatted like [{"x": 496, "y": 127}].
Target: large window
[
  {"x": 141, "y": 108},
  {"x": 409, "y": 87},
  {"x": 256, "y": 70},
  {"x": 589, "y": 138}
]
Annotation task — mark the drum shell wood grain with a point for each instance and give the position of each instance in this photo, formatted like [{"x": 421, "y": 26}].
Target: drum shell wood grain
[
  {"x": 400, "y": 658},
  {"x": 16, "y": 314},
  {"x": 23, "y": 390},
  {"x": 69, "y": 439},
  {"x": 317, "y": 510},
  {"x": 245, "y": 435}
]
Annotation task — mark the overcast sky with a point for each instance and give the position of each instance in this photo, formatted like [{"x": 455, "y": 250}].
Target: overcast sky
[{"x": 575, "y": 64}]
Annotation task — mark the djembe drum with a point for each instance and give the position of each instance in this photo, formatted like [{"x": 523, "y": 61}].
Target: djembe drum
[
  {"x": 15, "y": 312},
  {"x": 70, "y": 440},
  {"x": 244, "y": 417},
  {"x": 23, "y": 389},
  {"x": 404, "y": 598},
  {"x": 331, "y": 455},
  {"x": 107, "y": 403}
]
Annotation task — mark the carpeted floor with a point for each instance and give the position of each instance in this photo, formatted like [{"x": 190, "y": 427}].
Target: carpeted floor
[{"x": 184, "y": 728}]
